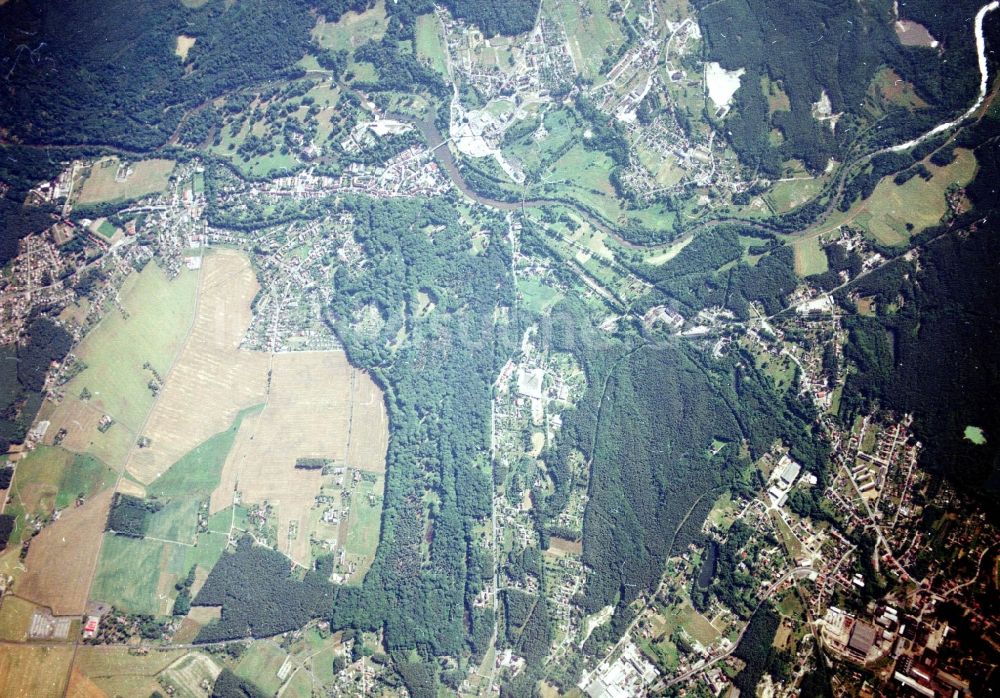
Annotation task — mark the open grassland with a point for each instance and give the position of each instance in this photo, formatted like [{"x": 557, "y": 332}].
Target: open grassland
[
  {"x": 260, "y": 665},
  {"x": 352, "y": 30},
  {"x": 583, "y": 175},
  {"x": 592, "y": 35},
  {"x": 430, "y": 42},
  {"x": 809, "y": 256},
  {"x": 51, "y": 478},
  {"x": 34, "y": 672},
  {"x": 61, "y": 560},
  {"x": 130, "y": 574},
  {"x": 538, "y": 297},
  {"x": 918, "y": 201},
  {"x": 786, "y": 194},
  {"x": 15, "y": 618},
  {"x": 158, "y": 313},
  {"x": 363, "y": 526},
  {"x": 118, "y": 673},
  {"x": 147, "y": 177}
]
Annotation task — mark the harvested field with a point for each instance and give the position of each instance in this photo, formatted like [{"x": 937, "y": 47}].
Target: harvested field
[
  {"x": 63, "y": 556},
  {"x": 15, "y": 617},
  {"x": 34, "y": 672},
  {"x": 327, "y": 409},
  {"x": 107, "y": 182},
  {"x": 212, "y": 379},
  {"x": 315, "y": 400}
]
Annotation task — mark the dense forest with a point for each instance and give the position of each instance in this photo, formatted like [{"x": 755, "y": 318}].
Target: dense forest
[
  {"x": 836, "y": 47},
  {"x": 437, "y": 385},
  {"x": 129, "y": 516},
  {"x": 259, "y": 596},
  {"x": 931, "y": 347},
  {"x": 646, "y": 423}
]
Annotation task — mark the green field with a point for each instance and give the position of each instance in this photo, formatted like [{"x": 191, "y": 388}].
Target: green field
[
  {"x": 128, "y": 573},
  {"x": 177, "y": 520},
  {"x": 809, "y": 256},
  {"x": 260, "y": 664},
  {"x": 561, "y": 127},
  {"x": 363, "y": 525},
  {"x": 101, "y": 185},
  {"x": 593, "y": 36},
  {"x": 975, "y": 435},
  {"x": 582, "y": 174},
  {"x": 787, "y": 194},
  {"x": 160, "y": 312},
  {"x": 51, "y": 478},
  {"x": 430, "y": 43},
  {"x": 538, "y": 297},
  {"x": 918, "y": 201}
]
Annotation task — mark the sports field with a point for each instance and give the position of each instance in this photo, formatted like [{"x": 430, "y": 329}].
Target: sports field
[
  {"x": 105, "y": 182},
  {"x": 809, "y": 256}
]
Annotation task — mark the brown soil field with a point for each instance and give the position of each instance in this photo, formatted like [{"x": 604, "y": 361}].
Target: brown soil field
[
  {"x": 63, "y": 556},
  {"x": 212, "y": 379},
  {"x": 561, "y": 546},
  {"x": 34, "y": 672},
  {"x": 82, "y": 687}
]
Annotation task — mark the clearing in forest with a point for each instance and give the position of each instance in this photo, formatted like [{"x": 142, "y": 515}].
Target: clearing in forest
[{"x": 184, "y": 44}]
